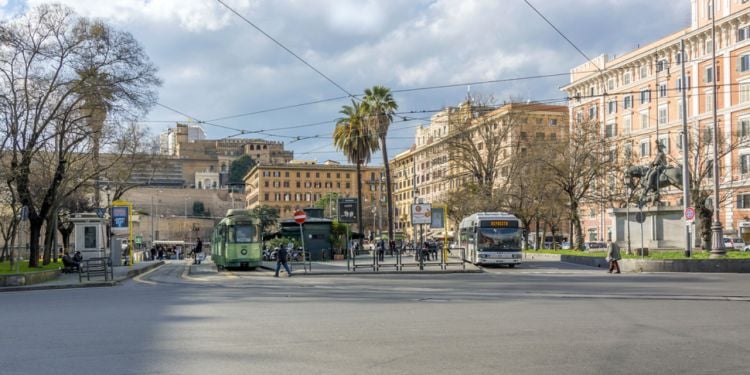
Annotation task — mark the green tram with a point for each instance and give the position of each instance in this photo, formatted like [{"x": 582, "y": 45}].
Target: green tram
[{"x": 234, "y": 242}]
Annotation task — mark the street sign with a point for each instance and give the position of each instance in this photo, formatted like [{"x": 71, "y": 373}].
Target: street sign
[
  {"x": 690, "y": 214},
  {"x": 138, "y": 240},
  {"x": 299, "y": 217},
  {"x": 640, "y": 217},
  {"x": 100, "y": 212}
]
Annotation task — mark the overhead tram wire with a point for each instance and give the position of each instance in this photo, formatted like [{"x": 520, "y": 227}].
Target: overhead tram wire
[{"x": 287, "y": 49}]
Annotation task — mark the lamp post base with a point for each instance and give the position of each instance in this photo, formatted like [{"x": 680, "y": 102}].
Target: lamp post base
[{"x": 717, "y": 241}]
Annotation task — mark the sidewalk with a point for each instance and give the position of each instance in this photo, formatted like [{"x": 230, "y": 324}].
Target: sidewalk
[{"x": 70, "y": 280}]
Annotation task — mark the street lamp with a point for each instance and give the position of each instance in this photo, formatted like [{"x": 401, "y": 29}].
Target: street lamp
[
  {"x": 629, "y": 188},
  {"x": 717, "y": 240}
]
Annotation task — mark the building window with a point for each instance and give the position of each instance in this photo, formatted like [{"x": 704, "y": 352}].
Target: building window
[
  {"x": 744, "y": 92},
  {"x": 553, "y": 122},
  {"x": 710, "y": 9},
  {"x": 743, "y": 63},
  {"x": 710, "y": 169},
  {"x": 709, "y": 77},
  {"x": 680, "y": 115},
  {"x": 678, "y": 58},
  {"x": 645, "y": 96},
  {"x": 643, "y": 72},
  {"x": 679, "y": 141},
  {"x": 644, "y": 120},
  {"x": 709, "y": 47},
  {"x": 745, "y": 164},
  {"x": 627, "y": 124},
  {"x": 743, "y": 201},
  {"x": 626, "y": 78},
  {"x": 592, "y": 112},
  {"x": 612, "y": 106},
  {"x": 664, "y": 141},
  {"x": 661, "y": 65},
  {"x": 662, "y": 90},
  {"x": 627, "y": 102},
  {"x": 611, "y": 84},
  {"x": 744, "y": 128},
  {"x": 709, "y": 101},
  {"x": 708, "y": 135},
  {"x": 645, "y": 148},
  {"x": 611, "y": 130},
  {"x": 662, "y": 115},
  {"x": 627, "y": 151},
  {"x": 743, "y": 32}
]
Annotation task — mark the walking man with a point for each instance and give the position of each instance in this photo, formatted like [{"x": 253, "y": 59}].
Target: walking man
[
  {"x": 281, "y": 256},
  {"x": 613, "y": 256},
  {"x": 198, "y": 251}
]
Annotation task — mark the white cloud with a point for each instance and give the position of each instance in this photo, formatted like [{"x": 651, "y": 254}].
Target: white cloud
[{"x": 190, "y": 15}]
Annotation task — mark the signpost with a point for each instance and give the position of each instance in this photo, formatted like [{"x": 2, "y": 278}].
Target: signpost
[
  {"x": 299, "y": 218},
  {"x": 121, "y": 212},
  {"x": 689, "y": 220}
]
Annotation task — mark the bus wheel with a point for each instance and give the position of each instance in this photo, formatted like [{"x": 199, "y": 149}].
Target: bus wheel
[{"x": 511, "y": 265}]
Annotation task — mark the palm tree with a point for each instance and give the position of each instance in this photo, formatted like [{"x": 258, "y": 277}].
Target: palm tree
[
  {"x": 379, "y": 108},
  {"x": 358, "y": 142}
]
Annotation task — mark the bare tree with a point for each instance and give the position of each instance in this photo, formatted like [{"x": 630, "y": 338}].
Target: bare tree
[
  {"x": 574, "y": 164},
  {"x": 47, "y": 57}
]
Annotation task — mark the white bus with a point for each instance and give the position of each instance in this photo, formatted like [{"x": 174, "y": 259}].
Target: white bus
[{"x": 491, "y": 238}]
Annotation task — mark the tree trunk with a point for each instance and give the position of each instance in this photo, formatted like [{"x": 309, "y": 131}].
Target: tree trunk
[
  {"x": 359, "y": 203},
  {"x": 35, "y": 231},
  {"x": 389, "y": 189},
  {"x": 576, "y": 222}
]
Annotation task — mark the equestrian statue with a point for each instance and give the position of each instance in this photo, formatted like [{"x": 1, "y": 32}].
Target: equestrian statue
[{"x": 655, "y": 176}]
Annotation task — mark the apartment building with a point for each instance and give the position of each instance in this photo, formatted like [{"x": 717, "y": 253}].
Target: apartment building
[
  {"x": 297, "y": 184},
  {"x": 428, "y": 170},
  {"x": 637, "y": 99}
]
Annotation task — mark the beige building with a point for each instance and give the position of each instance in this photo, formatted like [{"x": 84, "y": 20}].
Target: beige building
[
  {"x": 426, "y": 171},
  {"x": 205, "y": 162},
  {"x": 297, "y": 185},
  {"x": 637, "y": 99}
]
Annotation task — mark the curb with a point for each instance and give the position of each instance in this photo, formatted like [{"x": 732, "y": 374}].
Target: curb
[{"x": 129, "y": 275}]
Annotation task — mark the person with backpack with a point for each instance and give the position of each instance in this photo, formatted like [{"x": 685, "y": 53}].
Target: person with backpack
[{"x": 281, "y": 257}]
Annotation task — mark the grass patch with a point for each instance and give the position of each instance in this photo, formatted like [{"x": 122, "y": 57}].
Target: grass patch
[
  {"x": 655, "y": 255},
  {"x": 5, "y": 268}
]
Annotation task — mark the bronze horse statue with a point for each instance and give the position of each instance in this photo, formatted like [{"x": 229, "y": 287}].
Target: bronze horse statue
[{"x": 669, "y": 176}]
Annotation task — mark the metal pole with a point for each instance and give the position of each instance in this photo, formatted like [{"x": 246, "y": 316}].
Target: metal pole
[
  {"x": 302, "y": 241},
  {"x": 627, "y": 219},
  {"x": 717, "y": 243},
  {"x": 685, "y": 159},
  {"x": 642, "y": 251}
]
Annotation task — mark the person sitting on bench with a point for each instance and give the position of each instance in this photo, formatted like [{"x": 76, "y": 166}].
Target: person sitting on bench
[{"x": 70, "y": 264}]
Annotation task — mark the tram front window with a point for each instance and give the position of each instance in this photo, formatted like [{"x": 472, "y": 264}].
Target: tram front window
[
  {"x": 244, "y": 233},
  {"x": 494, "y": 239}
]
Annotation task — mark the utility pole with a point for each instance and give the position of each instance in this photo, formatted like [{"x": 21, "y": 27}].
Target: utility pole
[{"x": 717, "y": 240}]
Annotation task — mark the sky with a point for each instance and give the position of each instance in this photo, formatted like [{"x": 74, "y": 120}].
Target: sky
[{"x": 216, "y": 67}]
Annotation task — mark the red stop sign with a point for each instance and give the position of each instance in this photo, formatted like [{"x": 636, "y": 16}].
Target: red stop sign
[{"x": 299, "y": 217}]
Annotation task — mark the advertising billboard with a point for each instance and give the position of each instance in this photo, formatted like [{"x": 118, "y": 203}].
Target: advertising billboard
[
  {"x": 438, "y": 218},
  {"x": 347, "y": 210},
  {"x": 120, "y": 216},
  {"x": 421, "y": 213}
]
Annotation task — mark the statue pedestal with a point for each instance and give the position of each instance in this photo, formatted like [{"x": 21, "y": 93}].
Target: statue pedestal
[{"x": 663, "y": 228}]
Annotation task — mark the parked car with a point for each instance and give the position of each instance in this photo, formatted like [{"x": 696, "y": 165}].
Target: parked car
[
  {"x": 734, "y": 243},
  {"x": 746, "y": 248},
  {"x": 738, "y": 243},
  {"x": 565, "y": 245},
  {"x": 595, "y": 246}
]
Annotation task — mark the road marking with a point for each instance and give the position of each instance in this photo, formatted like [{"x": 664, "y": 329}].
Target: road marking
[{"x": 139, "y": 278}]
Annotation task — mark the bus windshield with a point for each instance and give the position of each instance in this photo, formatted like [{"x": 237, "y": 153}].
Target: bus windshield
[
  {"x": 243, "y": 233},
  {"x": 498, "y": 239}
]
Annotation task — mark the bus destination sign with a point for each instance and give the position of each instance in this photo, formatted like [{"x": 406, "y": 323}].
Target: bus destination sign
[{"x": 498, "y": 223}]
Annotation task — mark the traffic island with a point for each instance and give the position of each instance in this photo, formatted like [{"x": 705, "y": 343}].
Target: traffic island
[{"x": 652, "y": 265}]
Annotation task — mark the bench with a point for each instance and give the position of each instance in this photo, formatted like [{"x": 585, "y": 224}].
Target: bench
[{"x": 96, "y": 267}]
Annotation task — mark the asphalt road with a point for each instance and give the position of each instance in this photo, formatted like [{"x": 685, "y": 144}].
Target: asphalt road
[{"x": 541, "y": 318}]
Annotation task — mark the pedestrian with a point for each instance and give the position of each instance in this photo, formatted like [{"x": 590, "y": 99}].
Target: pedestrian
[
  {"x": 392, "y": 247},
  {"x": 198, "y": 251},
  {"x": 153, "y": 253},
  {"x": 281, "y": 256},
  {"x": 613, "y": 256},
  {"x": 381, "y": 249}
]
